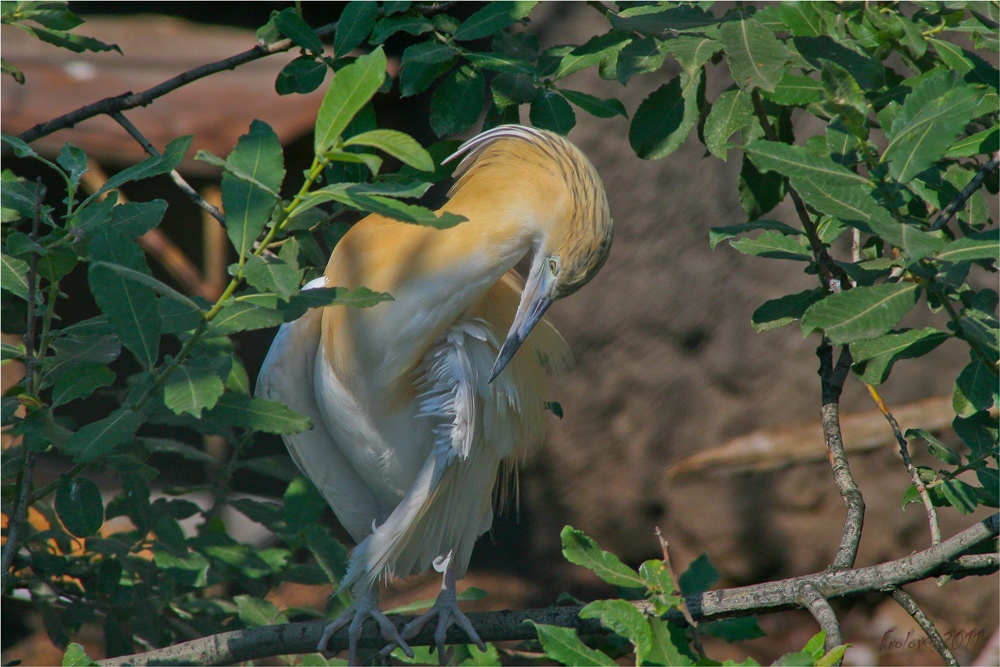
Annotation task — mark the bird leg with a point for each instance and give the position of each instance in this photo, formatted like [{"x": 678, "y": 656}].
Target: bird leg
[
  {"x": 364, "y": 607},
  {"x": 446, "y": 610}
]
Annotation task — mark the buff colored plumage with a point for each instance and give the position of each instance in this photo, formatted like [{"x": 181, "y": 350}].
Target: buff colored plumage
[{"x": 420, "y": 407}]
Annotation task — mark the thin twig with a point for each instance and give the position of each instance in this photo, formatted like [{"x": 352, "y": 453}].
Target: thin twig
[
  {"x": 821, "y": 610},
  {"x": 24, "y": 479},
  {"x": 288, "y": 638},
  {"x": 911, "y": 607},
  {"x": 910, "y": 468},
  {"x": 695, "y": 635},
  {"x": 951, "y": 209},
  {"x": 833, "y": 277},
  {"x": 148, "y": 146},
  {"x": 832, "y": 379},
  {"x": 129, "y": 100}
]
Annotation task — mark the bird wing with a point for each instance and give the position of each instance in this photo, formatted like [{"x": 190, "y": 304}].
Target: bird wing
[
  {"x": 287, "y": 376},
  {"x": 480, "y": 430}
]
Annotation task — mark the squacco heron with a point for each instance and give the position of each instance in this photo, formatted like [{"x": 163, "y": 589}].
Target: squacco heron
[{"x": 419, "y": 413}]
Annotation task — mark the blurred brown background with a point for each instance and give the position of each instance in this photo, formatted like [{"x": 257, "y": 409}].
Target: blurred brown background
[{"x": 667, "y": 363}]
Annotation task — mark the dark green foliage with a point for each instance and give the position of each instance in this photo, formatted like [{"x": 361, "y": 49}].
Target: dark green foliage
[{"x": 902, "y": 118}]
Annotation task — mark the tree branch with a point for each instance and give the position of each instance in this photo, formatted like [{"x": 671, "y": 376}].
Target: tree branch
[
  {"x": 289, "y": 638},
  {"x": 910, "y": 468},
  {"x": 821, "y": 610},
  {"x": 832, "y": 379},
  {"x": 951, "y": 209},
  {"x": 910, "y": 605},
  {"x": 148, "y": 146},
  {"x": 130, "y": 100}
]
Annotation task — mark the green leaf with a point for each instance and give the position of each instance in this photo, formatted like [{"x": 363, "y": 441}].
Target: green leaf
[
  {"x": 774, "y": 245},
  {"x": 148, "y": 281},
  {"x": 129, "y": 305},
  {"x": 759, "y": 192},
  {"x": 458, "y": 101},
  {"x": 80, "y": 507},
  {"x": 582, "y": 550},
  {"x": 669, "y": 645},
  {"x": 731, "y": 112},
  {"x": 563, "y": 645},
  {"x": 72, "y": 350},
  {"x": 642, "y": 54},
  {"x": 258, "y": 414},
  {"x": 355, "y": 24},
  {"x": 873, "y": 359},
  {"x": 76, "y": 656},
  {"x": 302, "y": 75},
  {"x": 655, "y": 19},
  {"x": 423, "y": 63},
  {"x": 86, "y": 377},
  {"x": 391, "y": 208},
  {"x": 665, "y": 119},
  {"x": 401, "y": 146},
  {"x": 796, "y": 90},
  {"x": 802, "y": 19},
  {"x": 243, "y": 316},
  {"x": 778, "y": 312},
  {"x": 99, "y": 438},
  {"x": 979, "y": 432},
  {"x": 271, "y": 274},
  {"x": 358, "y": 297},
  {"x": 700, "y": 576},
  {"x": 798, "y": 162},
  {"x": 294, "y": 27},
  {"x": 73, "y": 160},
  {"x": 932, "y": 117},
  {"x": 329, "y": 553},
  {"x": 352, "y": 88},
  {"x": 550, "y": 111},
  {"x": 960, "y": 495},
  {"x": 986, "y": 142},
  {"x": 175, "y": 448},
  {"x": 249, "y": 203},
  {"x": 257, "y": 612},
  {"x": 387, "y": 27},
  {"x": 718, "y": 234},
  {"x": 938, "y": 449},
  {"x": 595, "y": 106},
  {"x": 756, "y": 57},
  {"x": 975, "y": 389},
  {"x": 154, "y": 166},
  {"x": 734, "y": 629},
  {"x": 14, "y": 275},
  {"x": 134, "y": 219},
  {"x": 193, "y": 387},
  {"x": 495, "y": 16},
  {"x": 981, "y": 245},
  {"x": 861, "y": 313},
  {"x": 692, "y": 51},
  {"x": 67, "y": 40},
  {"x": 278, "y": 467},
  {"x": 567, "y": 60},
  {"x": 10, "y": 352},
  {"x": 624, "y": 620}
]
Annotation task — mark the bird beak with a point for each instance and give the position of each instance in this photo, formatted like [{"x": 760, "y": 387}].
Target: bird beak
[{"x": 535, "y": 300}]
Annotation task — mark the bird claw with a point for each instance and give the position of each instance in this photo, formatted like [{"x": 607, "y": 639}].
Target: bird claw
[
  {"x": 354, "y": 617},
  {"x": 446, "y": 610}
]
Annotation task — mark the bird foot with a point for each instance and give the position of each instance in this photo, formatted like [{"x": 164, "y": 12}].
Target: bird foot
[
  {"x": 354, "y": 617},
  {"x": 446, "y": 610}
]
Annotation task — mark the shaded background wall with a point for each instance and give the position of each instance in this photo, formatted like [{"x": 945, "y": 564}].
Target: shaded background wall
[{"x": 667, "y": 364}]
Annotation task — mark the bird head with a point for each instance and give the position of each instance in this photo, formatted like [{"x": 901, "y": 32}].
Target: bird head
[{"x": 574, "y": 230}]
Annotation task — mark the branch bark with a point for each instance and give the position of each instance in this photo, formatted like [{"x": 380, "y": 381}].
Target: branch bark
[
  {"x": 289, "y": 638},
  {"x": 821, "y": 610},
  {"x": 911, "y": 607},
  {"x": 130, "y": 100},
  {"x": 977, "y": 182}
]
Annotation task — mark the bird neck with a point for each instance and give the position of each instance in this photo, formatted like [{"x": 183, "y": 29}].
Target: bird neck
[{"x": 435, "y": 277}]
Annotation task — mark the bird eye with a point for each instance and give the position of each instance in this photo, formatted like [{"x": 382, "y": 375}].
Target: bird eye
[{"x": 553, "y": 266}]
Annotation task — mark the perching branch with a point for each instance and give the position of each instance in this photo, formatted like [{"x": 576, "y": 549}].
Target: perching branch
[
  {"x": 910, "y": 605},
  {"x": 290, "y": 638},
  {"x": 821, "y": 610},
  {"x": 910, "y": 468},
  {"x": 951, "y": 209},
  {"x": 130, "y": 100},
  {"x": 832, "y": 379},
  {"x": 148, "y": 146}
]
